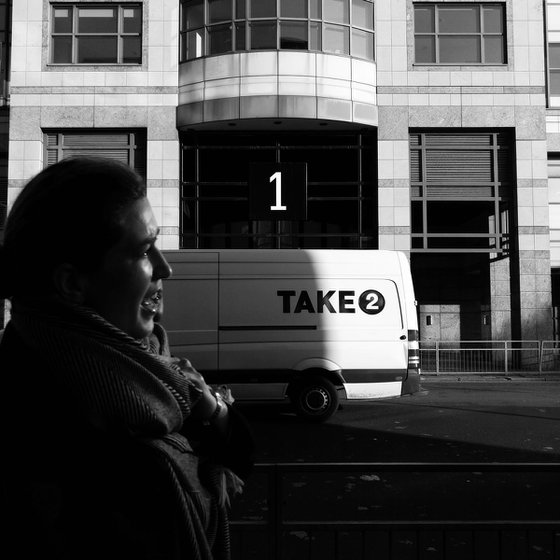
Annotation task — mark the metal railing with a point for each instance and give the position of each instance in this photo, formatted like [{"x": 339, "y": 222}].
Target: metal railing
[
  {"x": 392, "y": 511},
  {"x": 492, "y": 356}
]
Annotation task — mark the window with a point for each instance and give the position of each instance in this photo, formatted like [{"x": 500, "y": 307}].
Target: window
[
  {"x": 553, "y": 36},
  {"x": 123, "y": 145},
  {"x": 459, "y": 33},
  {"x": 341, "y": 189},
  {"x": 210, "y": 27},
  {"x": 461, "y": 191},
  {"x": 96, "y": 34}
]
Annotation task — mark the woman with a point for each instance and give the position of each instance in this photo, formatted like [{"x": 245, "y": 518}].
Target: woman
[{"x": 111, "y": 450}]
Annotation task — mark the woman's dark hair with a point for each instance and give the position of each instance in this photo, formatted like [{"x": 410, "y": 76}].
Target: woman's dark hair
[{"x": 71, "y": 212}]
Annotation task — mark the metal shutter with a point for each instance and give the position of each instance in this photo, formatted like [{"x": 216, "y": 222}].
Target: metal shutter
[{"x": 126, "y": 146}]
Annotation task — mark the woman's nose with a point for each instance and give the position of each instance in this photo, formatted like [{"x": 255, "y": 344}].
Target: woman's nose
[{"x": 160, "y": 265}]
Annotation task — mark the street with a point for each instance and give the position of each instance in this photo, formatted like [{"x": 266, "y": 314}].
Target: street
[
  {"x": 462, "y": 470},
  {"x": 479, "y": 423},
  {"x": 485, "y": 421}
]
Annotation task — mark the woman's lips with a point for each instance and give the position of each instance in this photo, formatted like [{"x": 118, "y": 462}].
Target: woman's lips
[{"x": 152, "y": 303}]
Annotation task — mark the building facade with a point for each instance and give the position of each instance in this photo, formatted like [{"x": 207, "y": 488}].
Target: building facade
[{"x": 427, "y": 127}]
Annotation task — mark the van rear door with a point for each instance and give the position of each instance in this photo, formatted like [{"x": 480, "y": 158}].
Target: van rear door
[{"x": 191, "y": 307}]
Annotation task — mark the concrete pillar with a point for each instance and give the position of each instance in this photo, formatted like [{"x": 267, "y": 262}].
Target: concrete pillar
[{"x": 394, "y": 179}]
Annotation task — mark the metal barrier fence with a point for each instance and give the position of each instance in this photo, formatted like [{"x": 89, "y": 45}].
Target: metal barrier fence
[
  {"x": 399, "y": 511},
  {"x": 492, "y": 356}
]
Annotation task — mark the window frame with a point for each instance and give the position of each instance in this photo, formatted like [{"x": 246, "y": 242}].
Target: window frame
[
  {"x": 75, "y": 34},
  {"x": 480, "y": 35}
]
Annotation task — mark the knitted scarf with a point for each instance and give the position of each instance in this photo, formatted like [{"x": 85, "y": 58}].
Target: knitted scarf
[{"x": 122, "y": 387}]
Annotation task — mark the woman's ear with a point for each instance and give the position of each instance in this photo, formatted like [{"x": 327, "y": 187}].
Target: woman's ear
[{"x": 69, "y": 283}]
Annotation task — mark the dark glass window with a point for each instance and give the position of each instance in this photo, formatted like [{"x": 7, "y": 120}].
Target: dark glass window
[
  {"x": 293, "y": 8},
  {"x": 262, "y": 8},
  {"x": 219, "y": 10},
  {"x": 293, "y": 35},
  {"x": 263, "y": 35},
  {"x": 467, "y": 33},
  {"x": 219, "y": 39},
  {"x": 95, "y": 34},
  {"x": 342, "y": 194}
]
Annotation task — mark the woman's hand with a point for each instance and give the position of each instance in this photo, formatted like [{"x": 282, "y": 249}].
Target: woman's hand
[{"x": 205, "y": 407}]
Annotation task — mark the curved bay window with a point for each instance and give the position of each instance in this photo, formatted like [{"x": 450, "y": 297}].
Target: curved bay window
[
  {"x": 211, "y": 27},
  {"x": 342, "y": 194}
]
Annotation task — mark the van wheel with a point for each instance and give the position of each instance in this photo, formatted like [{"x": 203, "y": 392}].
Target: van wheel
[{"x": 315, "y": 398}]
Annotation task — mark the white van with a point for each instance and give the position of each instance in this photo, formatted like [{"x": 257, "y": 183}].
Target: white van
[{"x": 311, "y": 326}]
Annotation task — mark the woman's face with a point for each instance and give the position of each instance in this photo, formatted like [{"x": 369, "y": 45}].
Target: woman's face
[{"x": 127, "y": 289}]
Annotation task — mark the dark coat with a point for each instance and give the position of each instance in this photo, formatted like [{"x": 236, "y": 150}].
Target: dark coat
[{"x": 72, "y": 492}]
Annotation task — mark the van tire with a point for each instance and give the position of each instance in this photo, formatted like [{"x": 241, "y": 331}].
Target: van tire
[{"x": 314, "y": 398}]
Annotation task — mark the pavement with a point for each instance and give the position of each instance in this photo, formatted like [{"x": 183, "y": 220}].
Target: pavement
[{"x": 467, "y": 377}]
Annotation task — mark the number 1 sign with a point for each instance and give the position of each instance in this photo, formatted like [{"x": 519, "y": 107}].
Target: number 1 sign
[{"x": 278, "y": 191}]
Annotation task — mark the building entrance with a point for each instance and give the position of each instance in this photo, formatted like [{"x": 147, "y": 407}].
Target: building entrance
[{"x": 342, "y": 190}]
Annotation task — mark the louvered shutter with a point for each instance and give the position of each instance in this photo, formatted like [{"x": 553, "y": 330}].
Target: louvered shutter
[
  {"x": 460, "y": 165},
  {"x": 125, "y": 146}
]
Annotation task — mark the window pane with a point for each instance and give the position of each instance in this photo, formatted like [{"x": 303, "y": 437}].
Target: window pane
[
  {"x": 263, "y": 35},
  {"x": 195, "y": 44},
  {"x": 494, "y": 49},
  {"x": 219, "y": 39},
  {"x": 263, "y": 8},
  {"x": 554, "y": 82},
  {"x": 424, "y": 49},
  {"x": 293, "y": 8},
  {"x": 337, "y": 11},
  {"x": 416, "y": 214},
  {"x": 97, "y": 50},
  {"x": 293, "y": 35},
  {"x": 553, "y": 17},
  {"x": 554, "y": 55},
  {"x": 362, "y": 14},
  {"x": 493, "y": 20},
  {"x": 97, "y": 20},
  {"x": 336, "y": 39},
  {"x": 182, "y": 47},
  {"x": 460, "y": 48},
  {"x": 216, "y": 216},
  {"x": 424, "y": 19},
  {"x": 132, "y": 50},
  {"x": 315, "y": 9},
  {"x": 193, "y": 14},
  {"x": 240, "y": 35},
  {"x": 62, "y": 50},
  {"x": 219, "y": 10},
  {"x": 132, "y": 20},
  {"x": 362, "y": 44},
  {"x": 62, "y": 20},
  {"x": 459, "y": 217},
  {"x": 336, "y": 216},
  {"x": 455, "y": 19},
  {"x": 315, "y": 36},
  {"x": 240, "y": 10}
]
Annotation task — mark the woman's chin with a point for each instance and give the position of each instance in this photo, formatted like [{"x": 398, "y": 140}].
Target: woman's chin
[{"x": 144, "y": 326}]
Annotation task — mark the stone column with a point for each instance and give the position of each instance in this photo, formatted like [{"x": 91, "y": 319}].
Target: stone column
[
  {"x": 393, "y": 179},
  {"x": 533, "y": 237}
]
